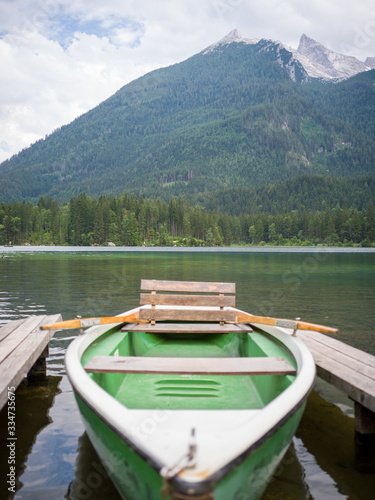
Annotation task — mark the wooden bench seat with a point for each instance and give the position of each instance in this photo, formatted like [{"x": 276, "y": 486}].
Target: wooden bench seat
[
  {"x": 184, "y": 312},
  {"x": 190, "y": 366},
  {"x": 203, "y": 328}
]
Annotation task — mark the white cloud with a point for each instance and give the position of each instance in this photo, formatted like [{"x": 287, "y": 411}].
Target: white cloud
[{"x": 60, "y": 58}]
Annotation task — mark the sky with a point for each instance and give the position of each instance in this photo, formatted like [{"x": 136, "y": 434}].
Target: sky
[{"x": 61, "y": 58}]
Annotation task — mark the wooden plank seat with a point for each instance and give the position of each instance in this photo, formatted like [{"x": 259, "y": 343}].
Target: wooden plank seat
[
  {"x": 190, "y": 366},
  {"x": 203, "y": 328},
  {"x": 202, "y": 313}
]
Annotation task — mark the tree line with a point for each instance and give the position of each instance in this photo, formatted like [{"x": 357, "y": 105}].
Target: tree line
[{"x": 131, "y": 221}]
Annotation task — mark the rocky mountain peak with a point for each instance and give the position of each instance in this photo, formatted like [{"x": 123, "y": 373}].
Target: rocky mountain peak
[
  {"x": 233, "y": 36},
  {"x": 306, "y": 44},
  {"x": 321, "y": 62},
  {"x": 370, "y": 62}
]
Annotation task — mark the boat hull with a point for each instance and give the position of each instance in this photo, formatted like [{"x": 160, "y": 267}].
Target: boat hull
[
  {"x": 133, "y": 477},
  {"x": 251, "y": 441},
  {"x": 137, "y": 478}
]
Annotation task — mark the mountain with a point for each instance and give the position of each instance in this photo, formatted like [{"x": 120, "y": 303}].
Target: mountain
[
  {"x": 240, "y": 113},
  {"x": 320, "y": 62},
  {"x": 283, "y": 55},
  {"x": 316, "y": 60}
]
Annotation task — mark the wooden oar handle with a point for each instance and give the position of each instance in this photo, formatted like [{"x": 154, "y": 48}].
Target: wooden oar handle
[
  {"x": 87, "y": 322},
  {"x": 243, "y": 317},
  {"x": 302, "y": 325},
  {"x": 61, "y": 325}
]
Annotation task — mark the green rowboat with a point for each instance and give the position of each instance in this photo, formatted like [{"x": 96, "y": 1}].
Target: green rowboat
[{"x": 187, "y": 397}]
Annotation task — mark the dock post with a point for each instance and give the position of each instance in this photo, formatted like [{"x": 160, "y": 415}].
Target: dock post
[
  {"x": 38, "y": 372},
  {"x": 364, "y": 438}
]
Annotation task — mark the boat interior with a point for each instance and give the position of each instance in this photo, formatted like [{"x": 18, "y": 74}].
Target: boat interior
[{"x": 171, "y": 332}]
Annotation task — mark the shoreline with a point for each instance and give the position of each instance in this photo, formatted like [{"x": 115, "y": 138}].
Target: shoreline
[{"x": 231, "y": 249}]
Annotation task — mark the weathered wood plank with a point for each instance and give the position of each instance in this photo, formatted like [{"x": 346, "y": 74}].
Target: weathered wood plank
[
  {"x": 16, "y": 366},
  {"x": 342, "y": 353},
  {"x": 356, "y": 389},
  {"x": 18, "y": 335},
  {"x": 187, "y": 366},
  {"x": 335, "y": 345},
  {"x": 188, "y": 286},
  {"x": 187, "y": 300},
  {"x": 337, "y": 369},
  {"x": 177, "y": 328},
  {"x": 10, "y": 327},
  {"x": 187, "y": 315}
]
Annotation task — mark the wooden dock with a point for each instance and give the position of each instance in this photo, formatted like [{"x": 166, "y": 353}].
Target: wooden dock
[
  {"x": 352, "y": 371},
  {"x": 23, "y": 349}
]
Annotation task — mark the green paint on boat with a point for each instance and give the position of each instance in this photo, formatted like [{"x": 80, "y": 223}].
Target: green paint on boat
[
  {"x": 190, "y": 391},
  {"x": 128, "y": 471},
  {"x": 138, "y": 478}
]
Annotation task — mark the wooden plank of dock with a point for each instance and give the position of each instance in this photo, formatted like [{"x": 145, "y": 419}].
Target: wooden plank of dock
[
  {"x": 352, "y": 371},
  {"x": 21, "y": 345},
  {"x": 347, "y": 368}
]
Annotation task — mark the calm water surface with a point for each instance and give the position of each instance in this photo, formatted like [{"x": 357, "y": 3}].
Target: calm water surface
[{"x": 55, "y": 459}]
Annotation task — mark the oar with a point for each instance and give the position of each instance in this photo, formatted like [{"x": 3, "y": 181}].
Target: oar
[
  {"x": 243, "y": 317},
  {"x": 86, "y": 322}
]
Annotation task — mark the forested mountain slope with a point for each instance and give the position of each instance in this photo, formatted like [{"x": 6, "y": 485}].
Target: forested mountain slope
[
  {"x": 227, "y": 118},
  {"x": 305, "y": 193}
]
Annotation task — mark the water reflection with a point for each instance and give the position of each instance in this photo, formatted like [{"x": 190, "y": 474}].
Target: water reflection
[
  {"x": 49, "y": 467},
  {"x": 33, "y": 404},
  {"x": 288, "y": 480},
  {"x": 91, "y": 481},
  {"x": 327, "y": 435}
]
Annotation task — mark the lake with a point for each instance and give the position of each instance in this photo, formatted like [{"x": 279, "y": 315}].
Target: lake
[{"x": 336, "y": 287}]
